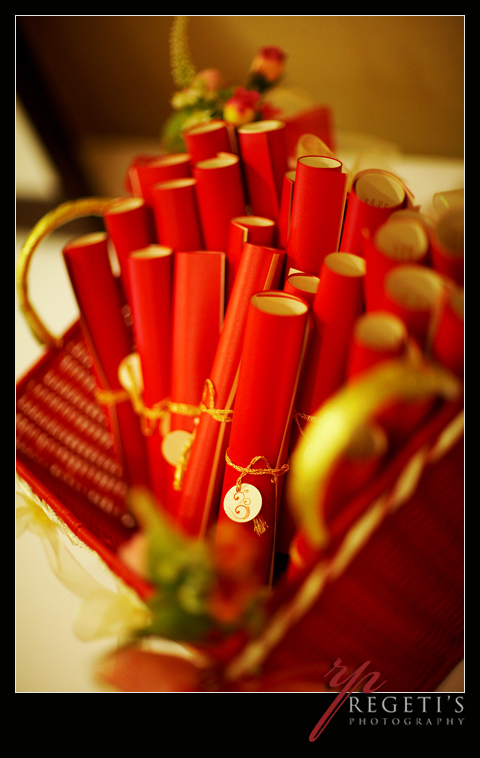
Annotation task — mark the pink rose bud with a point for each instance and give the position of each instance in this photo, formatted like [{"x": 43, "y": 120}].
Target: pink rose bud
[
  {"x": 242, "y": 107},
  {"x": 211, "y": 77},
  {"x": 269, "y": 62}
]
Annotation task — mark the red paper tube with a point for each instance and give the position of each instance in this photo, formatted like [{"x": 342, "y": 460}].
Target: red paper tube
[
  {"x": 271, "y": 359},
  {"x": 337, "y": 304},
  {"x": 151, "y": 276},
  {"x": 220, "y": 198},
  {"x": 317, "y": 211},
  {"x": 206, "y": 140},
  {"x": 176, "y": 215},
  {"x": 88, "y": 264},
  {"x": 260, "y": 269},
  {"x": 264, "y": 159},
  {"x": 127, "y": 223},
  {"x": 253, "y": 229},
  {"x": 397, "y": 242},
  {"x": 302, "y": 285},
  {"x": 357, "y": 465},
  {"x": 374, "y": 196},
  {"x": 448, "y": 245},
  {"x": 143, "y": 175},
  {"x": 198, "y": 313},
  {"x": 376, "y": 337},
  {"x": 285, "y": 212},
  {"x": 448, "y": 343},
  {"x": 415, "y": 293}
]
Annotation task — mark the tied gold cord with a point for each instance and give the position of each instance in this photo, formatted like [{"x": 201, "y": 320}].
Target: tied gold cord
[
  {"x": 217, "y": 413},
  {"x": 298, "y": 415},
  {"x": 259, "y": 523},
  {"x": 112, "y": 397},
  {"x": 221, "y": 415}
]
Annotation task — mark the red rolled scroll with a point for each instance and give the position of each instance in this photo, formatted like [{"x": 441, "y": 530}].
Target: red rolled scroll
[
  {"x": 145, "y": 173},
  {"x": 447, "y": 249},
  {"x": 376, "y": 337},
  {"x": 317, "y": 212},
  {"x": 398, "y": 241},
  {"x": 272, "y": 353},
  {"x": 128, "y": 226},
  {"x": 260, "y": 269},
  {"x": 302, "y": 285},
  {"x": 198, "y": 313},
  {"x": 207, "y": 139},
  {"x": 374, "y": 196},
  {"x": 263, "y": 151},
  {"x": 415, "y": 294},
  {"x": 338, "y": 303},
  {"x": 285, "y": 213},
  {"x": 108, "y": 340},
  {"x": 175, "y": 211},
  {"x": 151, "y": 276},
  {"x": 254, "y": 229},
  {"x": 220, "y": 198},
  {"x": 448, "y": 343}
]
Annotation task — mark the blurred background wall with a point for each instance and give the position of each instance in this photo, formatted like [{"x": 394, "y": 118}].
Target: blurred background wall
[{"x": 398, "y": 78}]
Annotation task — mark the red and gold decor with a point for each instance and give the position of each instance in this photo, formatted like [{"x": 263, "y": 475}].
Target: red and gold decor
[{"x": 257, "y": 421}]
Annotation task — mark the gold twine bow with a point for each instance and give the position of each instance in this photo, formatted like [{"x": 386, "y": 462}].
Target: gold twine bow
[
  {"x": 259, "y": 523},
  {"x": 219, "y": 414}
]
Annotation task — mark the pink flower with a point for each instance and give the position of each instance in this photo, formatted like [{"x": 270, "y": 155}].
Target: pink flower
[
  {"x": 269, "y": 62},
  {"x": 242, "y": 107},
  {"x": 211, "y": 77}
]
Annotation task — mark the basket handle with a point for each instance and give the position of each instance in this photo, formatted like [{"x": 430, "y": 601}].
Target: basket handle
[
  {"x": 325, "y": 439},
  {"x": 68, "y": 211}
]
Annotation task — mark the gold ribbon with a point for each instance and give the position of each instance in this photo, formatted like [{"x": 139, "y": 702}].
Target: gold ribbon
[{"x": 68, "y": 211}]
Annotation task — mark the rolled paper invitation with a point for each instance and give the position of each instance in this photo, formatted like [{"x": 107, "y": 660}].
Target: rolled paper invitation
[
  {"x": 376, "y": 337},
  {"x": 448, "y": 245},
  {"x": 108, "y": 341},
  {"x": 175, "y": 211},
  {"x": 151, "y": 276},
  {"x": 374, "y": 196},
  {"x": 285, "y": 212},
  {"x": 448, "y": 342},
  {"x": 302, "y": 285},
  {"x": 253, "y": 229},
  {"x": 198, "y": 313},
  {"x": 220, "y": 198},
  {"x": 260, "y": 269},
  {"x": 396, "y": 242},
  {"x": 128, "y": 226},
  {"x": 415, "y": 294},
  {"x": 317, "y": 212},
  {"x": 264, "y": 160},
  {"x": 144, "y": 174},
  {"x": 258, "y": 446},
  {"x": 206, "y": 140},
  {"x": 337, "y": 304},
  {"x": 355, "y": 468}
]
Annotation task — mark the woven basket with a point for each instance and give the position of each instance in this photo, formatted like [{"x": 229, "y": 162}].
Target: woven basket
[{"x": 388, "y": 586}]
